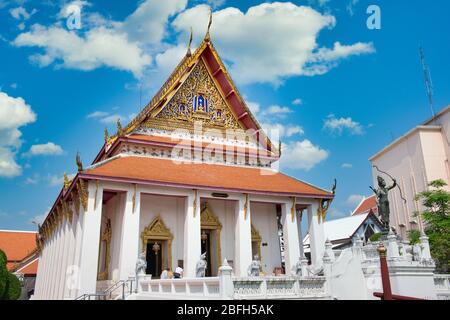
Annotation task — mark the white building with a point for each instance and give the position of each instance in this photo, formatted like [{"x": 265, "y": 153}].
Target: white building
[
  {"x": 414, "y": 160},
  {"x": 190, "y": 174},
  {"x": 344, "y": 232}
]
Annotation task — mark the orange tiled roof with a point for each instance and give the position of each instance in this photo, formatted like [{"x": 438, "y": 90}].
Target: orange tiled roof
[
  {"x": 210, "y": 145},
  {"x": 211, "y": 176},
  {"x": 17, "y": 245},
  {"x": 366, "y": 205}
]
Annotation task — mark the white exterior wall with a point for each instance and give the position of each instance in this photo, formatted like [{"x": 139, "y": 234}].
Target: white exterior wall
[{"x": 264, "y": 219}]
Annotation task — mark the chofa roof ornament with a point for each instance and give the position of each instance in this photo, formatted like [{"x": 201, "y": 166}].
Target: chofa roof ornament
[{"x": 208, "y": 36}]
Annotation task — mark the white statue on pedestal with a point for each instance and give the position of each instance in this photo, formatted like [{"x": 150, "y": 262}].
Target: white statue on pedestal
[
  {"x": 255, "y": 267},
  {"x": 200, "y": 269},
  {"x": 141, "y": 264}
]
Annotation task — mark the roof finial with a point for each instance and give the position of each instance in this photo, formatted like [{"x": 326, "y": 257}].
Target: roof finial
[
  {"x": 66, "y": 181},
  {"x": 189, "y": 45},
  {"x": 106, "y": 135},
  {"x": 279, "y": 148},
  {"x": 207, "y": 36},
  {"x": 120, "y": 131},
  {"x": 79, "y": 163}
]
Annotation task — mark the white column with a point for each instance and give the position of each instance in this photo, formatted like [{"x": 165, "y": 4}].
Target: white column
[
  {"x": 192, "y": 244},
  {"x": 290, "y": 235},
  {"x": 61, "y": 260},
  {"x": 300, "y": 234},
  {"x": 56, "y": 268},
  {"x": 48, "y": 248},
  {"x": 74, "y": 274},
  {"x": 129, "y": 248},
  {"x": 51, "y": 267},
  {"x": 69, "y": 257},
  {"x": 242, "y": 238},
  {"x": 316, "y": 234},
  {"x": 64, "y": 258},
  {"x": 90, "y": 240}
]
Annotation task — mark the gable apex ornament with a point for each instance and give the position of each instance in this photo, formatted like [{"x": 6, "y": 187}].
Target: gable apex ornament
[
  {"x": 208, "y": 36},
  {"x": 189, "y": 53},
  {"x": 79, "y": 163}
]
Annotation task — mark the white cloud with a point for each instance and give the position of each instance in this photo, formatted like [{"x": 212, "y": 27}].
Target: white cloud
[
  {"x": 254, "y": 107},
  {"x": 55, "y": 180},
  {"x": 338, "y": 126},
  {"x": 283, "y": 37},
  {"x": 347, "y": 165},
  {"x": 302, "y": 155},
  {"x": 20, "y": 13},
  {"x": 48, "y": 148},
  {"x": 97, "y": 114},
  {"x": 14, "y": 113},
  {"x": 351, "y": 5},
  {"x": 276, "y": 131},
  {"x": 148, "y": 23},
  {"x": 278, "y": 111},
  {"x": 97, "y": 48},
  {"x": 8, "y": 166},
  {"x": 109, "y": 118},
  {"x": 215, "y": 3},
  {"x": 297, "y": 102},
  {"x": 354, "y": 199}
]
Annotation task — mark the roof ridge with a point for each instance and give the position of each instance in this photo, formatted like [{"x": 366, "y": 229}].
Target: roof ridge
[{"x": 19, "y": 231}]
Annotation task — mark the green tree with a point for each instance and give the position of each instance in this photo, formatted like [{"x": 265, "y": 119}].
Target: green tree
[
  {"x": 414, "y": 237},
  {"x": 436, "y": 215},
  {"x": 10, "y": 288}
]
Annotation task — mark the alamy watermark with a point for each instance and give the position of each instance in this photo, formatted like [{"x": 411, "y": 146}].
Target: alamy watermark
[{"x": 374, "y": 20}]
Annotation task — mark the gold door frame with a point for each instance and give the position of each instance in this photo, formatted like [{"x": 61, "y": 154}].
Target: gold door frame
[
  {"x": 209, "y": 221},
  {"x": 256, "y": 237},
  {"x": 106, "y": 237},
  {"x": 157, "y": 230}
]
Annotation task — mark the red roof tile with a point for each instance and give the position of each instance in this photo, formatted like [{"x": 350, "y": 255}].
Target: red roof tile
[
  {"x": 17, "y": 245},
  {"x": 209, "y": 176},
  {"x": 366, "y": 205}
]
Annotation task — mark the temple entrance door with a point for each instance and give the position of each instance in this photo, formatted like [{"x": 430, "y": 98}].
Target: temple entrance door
[
  {"x": 154, "y": 258},
  {"x": 210, "y": 233},
  {"x": 206, "y": 247}
]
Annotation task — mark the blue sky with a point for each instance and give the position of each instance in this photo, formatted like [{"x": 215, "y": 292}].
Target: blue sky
[{"x": 339, "y": 91}]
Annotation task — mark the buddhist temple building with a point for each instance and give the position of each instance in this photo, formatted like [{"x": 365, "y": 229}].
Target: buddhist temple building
[{"x": 192, "y": 173}]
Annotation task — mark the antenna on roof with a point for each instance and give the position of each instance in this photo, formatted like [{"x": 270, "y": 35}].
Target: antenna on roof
[{"x": 428, "y": 82}]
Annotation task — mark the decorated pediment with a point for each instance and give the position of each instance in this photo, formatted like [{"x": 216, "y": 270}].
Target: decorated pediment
[
  {"x": 208, "y": 219},
  {"x": 157, "y": 230},
  {"x": 197, "y": 99}
]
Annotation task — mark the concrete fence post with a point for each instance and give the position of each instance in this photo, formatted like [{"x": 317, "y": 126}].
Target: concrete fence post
[{"x": 226, "y": 286}]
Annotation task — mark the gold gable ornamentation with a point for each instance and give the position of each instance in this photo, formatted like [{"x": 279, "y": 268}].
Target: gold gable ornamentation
[
  {"x": 179, "y": 111},
  {"x": 157, "y": 230},
  {"x": 208, "y": 219}
]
